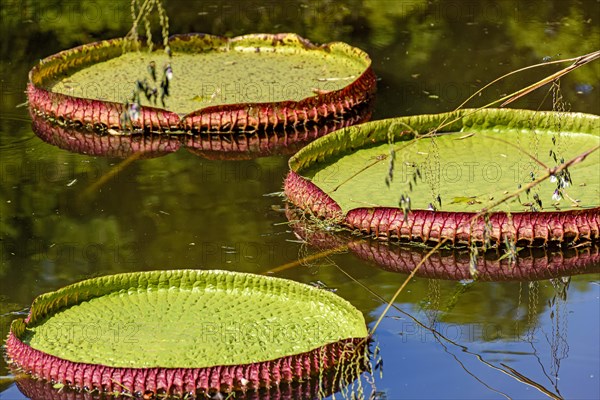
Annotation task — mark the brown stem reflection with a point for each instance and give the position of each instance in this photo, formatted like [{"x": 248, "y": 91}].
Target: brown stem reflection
[{"x": 557, "y": 339}]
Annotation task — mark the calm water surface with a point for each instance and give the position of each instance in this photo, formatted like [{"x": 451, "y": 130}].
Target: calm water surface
[{"x": 446, "y": 339}]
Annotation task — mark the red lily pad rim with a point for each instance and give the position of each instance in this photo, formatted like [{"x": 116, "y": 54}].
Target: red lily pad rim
[
  {"x": 240, "y": 146},
  {"x": 229, "y": 117},
  {"x": 456, "y": 228},
  {"x": 178, "y": 381},
  {"x": 530, "y": 264}
]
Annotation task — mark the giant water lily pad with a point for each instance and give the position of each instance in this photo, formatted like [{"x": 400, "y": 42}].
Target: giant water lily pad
[
  {"x": 184, "y": 331},
  {"x": 216, "y": 84},
  {"x": 470, "y": 164}
]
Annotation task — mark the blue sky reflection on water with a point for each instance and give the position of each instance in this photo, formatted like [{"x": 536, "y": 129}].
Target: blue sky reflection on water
[{"x": 429, "y": 361}]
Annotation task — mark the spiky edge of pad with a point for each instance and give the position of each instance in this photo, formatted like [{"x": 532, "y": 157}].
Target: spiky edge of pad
[
  {"x": 388, "y": 223},
  {"x": 178, "y": 381},
  {"x": 315, "y": 388}
]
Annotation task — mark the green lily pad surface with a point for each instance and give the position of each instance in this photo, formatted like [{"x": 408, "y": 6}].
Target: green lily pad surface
[
  {"x": 216, "y": 78},
  {"x": 186, "y": 319},
  {"x": 469, "y": 164},
  {"x": 241, "y": 72}
]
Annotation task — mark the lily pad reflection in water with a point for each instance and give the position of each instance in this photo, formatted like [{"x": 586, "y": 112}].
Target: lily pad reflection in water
[
  {"x": 78, "y": 138},
  {"x": 529, "y": 264}
]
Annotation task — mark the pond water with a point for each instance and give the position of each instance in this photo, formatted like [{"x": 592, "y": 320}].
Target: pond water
[{"x": 445, "y": 339}]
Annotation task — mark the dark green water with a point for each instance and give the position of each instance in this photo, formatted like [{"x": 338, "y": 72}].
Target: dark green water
[{"x": 516, "y": 339}]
